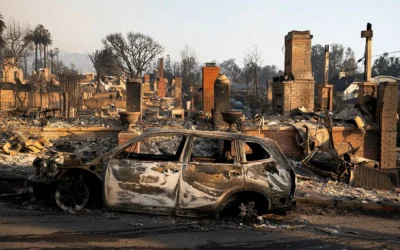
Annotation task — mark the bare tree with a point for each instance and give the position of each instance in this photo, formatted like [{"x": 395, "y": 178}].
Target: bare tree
[
  {"x": 189, "y": 67},
  {"x": 252, "y": 66},
  {"x": 2, "y": 28},
  {"x": 18, "y": 40},
  {"x": 176, "y": 69},
  {"x": 135, "y": 52}
]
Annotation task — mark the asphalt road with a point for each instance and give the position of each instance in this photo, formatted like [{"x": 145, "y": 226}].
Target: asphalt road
[{"x": 30, "y": 226}]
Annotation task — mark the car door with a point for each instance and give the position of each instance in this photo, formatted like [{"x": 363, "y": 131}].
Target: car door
[
  {"x": 263, "y": 173},
  {"x": 211, "y": 173},
  {"x": 144, "y": 176}
]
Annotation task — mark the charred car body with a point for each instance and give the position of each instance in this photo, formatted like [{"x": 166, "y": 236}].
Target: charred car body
[{"x": 176, "y": 171}]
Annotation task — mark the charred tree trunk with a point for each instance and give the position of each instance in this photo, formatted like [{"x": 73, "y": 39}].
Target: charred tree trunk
[
  {"x": 36, "y": 59},
  {"x": 45, "y": 56}
]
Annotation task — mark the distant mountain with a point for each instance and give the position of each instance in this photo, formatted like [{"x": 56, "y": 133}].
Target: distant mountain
[{"x": 81, "y": 61}]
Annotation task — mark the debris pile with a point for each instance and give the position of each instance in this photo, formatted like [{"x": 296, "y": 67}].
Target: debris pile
[
  {"x": 84, "y": 121},
  {"x": 86, "y": 150},
  {"x": 329, "y": 189},
  {"x": 312, "y": 185},
  {"x": 87, "y": 119},
  {"x": 16, "y": 142},
  {"x": 16, "y": 161}
]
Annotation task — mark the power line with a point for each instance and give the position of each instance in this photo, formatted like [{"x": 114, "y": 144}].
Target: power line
[{"x": 388, "y": 53}]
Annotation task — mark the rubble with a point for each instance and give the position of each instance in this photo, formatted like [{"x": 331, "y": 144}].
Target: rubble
[
  {"x": 328, "y": 189},
  {"x": 86, "y": 119}
]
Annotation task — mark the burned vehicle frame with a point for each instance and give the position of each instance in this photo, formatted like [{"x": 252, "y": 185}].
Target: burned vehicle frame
[{"x": 176, "y": 171}]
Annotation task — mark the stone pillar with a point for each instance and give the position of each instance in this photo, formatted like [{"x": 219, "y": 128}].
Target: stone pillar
[
  {"x": 269, "y": 91},
  {"x": 221, "y": 98},
  {"x": 161, "y": 85},
  {"x": 325, "y": 90},
  {"x": 134, "y": 95},
  {"x": 210, "y": 73},
  {"x": 326, "y": 65},
  {"x": 325, "y": 96},
  {"x": 178, "y": 93},
  {"x": 146, "y": 84},
  {"x": 387, "y": 106},
  {"x": 367, "y": 34},
  {"x": 156, "y": 80}
]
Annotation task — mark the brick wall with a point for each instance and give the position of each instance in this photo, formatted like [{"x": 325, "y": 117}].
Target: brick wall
[
  {"x": 210, "y": 74},
  {"x": 284, "y": 136},
  {"x": 387, "y": 105},
  {"x": 31, "y": 99},
  {"x": 289, "y": 95},
  {"x": 369, "y": 143}
]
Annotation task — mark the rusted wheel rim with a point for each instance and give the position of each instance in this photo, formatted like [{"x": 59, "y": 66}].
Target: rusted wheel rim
[
  {"x": 247, "y": 214},
  {"x": 72, "y": 194}
]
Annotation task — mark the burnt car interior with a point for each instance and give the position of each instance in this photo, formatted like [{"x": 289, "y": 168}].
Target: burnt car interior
[
  {"x": 255, "y": 152},
  {"x": 159, "y": 148},
  {"x": 213, "y": 150}
]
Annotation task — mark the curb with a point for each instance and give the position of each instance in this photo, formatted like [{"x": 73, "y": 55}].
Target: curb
[{"x": 349, "y": 204}]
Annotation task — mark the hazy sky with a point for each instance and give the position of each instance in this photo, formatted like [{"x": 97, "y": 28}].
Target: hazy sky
[{"x": 216, "y": 29}]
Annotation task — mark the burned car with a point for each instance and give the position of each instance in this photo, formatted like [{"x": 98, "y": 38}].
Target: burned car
[{"x": 177, "y": 171}]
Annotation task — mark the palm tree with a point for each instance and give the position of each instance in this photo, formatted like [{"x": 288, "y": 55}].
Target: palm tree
[
  {"x": 52, "y": 54},
  {"x": 2, "y": 28},
  {"x": 46, "y": 41},
  {"x": 37, "y": 40},
  {"x": 57, "y": 52}
]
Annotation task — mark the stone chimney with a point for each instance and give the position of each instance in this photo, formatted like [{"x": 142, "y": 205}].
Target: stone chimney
[
  {"x": 298, "y": 55},
  {"x": 222, "y": 97},
  {"x": 162, "y": 86}
]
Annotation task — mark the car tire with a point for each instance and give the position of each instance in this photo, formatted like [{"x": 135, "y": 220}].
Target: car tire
[{"x": 72, "y": 194}]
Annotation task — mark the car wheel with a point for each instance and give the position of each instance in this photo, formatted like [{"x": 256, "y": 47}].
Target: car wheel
[
  {"x": 247, "y": 212},
  {"x": 72, "y": 194}
]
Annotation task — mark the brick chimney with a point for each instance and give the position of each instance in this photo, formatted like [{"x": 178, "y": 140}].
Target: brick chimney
[
  {"x": 162, "y": 86},
  {"x": 296, "y": 88},
  {"x": 210, "y": 74},
  {"x": 298, "y": 55}
]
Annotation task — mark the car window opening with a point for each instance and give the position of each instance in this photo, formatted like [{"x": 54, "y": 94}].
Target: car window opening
[
  {"x": 155, "y": 148},
  {"x": 255, "y": 152},
  {"x": 211, "y": 150}
]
